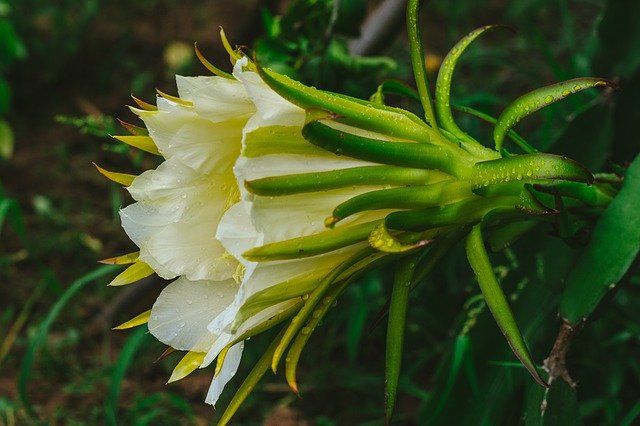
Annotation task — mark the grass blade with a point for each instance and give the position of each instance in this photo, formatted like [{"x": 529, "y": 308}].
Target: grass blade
[
  {"x": 127, "y": 355},
  {"x": 38, "y": 340},
  {"x": 395, "y": 330}
]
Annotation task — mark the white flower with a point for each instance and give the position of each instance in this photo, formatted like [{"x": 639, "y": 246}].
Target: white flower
[
  {"x": 194, "y": 219},
  {"x": 180, "y": 203}
]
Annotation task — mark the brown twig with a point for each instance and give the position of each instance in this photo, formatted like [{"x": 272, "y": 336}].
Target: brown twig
[{"x": 556, "y": 363}]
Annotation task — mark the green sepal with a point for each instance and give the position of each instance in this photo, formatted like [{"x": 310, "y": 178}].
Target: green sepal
[
  {"x": 416, "y": 197},
  {"x": 417, "y": 61},
  {"x": 298, "y": 286},
  {"x": 362, "y": 114},
  {"x": 334, "y": 179},
  {"x": 445, "y": 75},
  {"x": 592, "y": 195},
  {"x": 468, "y": 211},
  {"x": 395, "y": 330},
  {"x": 531, "y": 102},
  {"x": 298, "y": 345},
  {"x": 312, "y": 245},
  {"x": 497, "y": 301},
  {"x": 528, "y": 167},
  {"x": 404, "y": 154},
  {"x": 443, "y": 93},
  {"x": 254, "y": 376},
  {"x": 297, "y": 322}
]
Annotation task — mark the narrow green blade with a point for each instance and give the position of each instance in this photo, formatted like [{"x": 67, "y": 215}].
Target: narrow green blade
[
  {"x": 537, "y": 99},
  {"x": 497, "y": 301},
  {"x": 395, "y": 330},
  {"x": 417, "y": 61}
]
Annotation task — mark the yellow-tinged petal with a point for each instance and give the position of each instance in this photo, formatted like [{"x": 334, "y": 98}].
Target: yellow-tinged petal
[
  {"x": 174, "y": 98},
  {"x": 144, "y": 105},
  {"x": 233, "y": 54},
  {"x": 133, "y": 129},
  {"x": 121, "y": 178},
  {"x": 187, "y": 365},
  {"x": 125, "y": 259},
  {"x": 143, "y": 318},
  {"x": 208, "y": 65},
  {"x": 144, "y": 143},
  {"x": 220, "y": 360},
  {"x": 133, "y": 273}
]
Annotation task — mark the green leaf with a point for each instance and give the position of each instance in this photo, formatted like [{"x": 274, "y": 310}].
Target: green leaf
[
  {"x": 395, "y": 330},
  {"x": 531, "y": 102},
  {"x": 497, "y": 301},
  {"x": 127, "y": 355},
  {"x": 614, "y": 245},
  {"x": 39, "y": 338}
]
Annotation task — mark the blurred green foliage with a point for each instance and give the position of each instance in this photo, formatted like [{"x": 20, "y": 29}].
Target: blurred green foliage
[
  {"x": 457, "y": 369},
  {"x": 309, "y": 43}
]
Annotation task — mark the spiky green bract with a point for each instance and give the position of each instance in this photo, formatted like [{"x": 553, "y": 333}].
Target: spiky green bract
[
  {"x": 417, "y": 61},
  {"x": 395, "y": 329},
  {"x": 539, "y": 98},
  {"x": 497, "y": 301}
]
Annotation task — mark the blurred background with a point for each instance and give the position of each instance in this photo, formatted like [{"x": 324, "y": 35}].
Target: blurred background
[{"x": 67, "y": 70}]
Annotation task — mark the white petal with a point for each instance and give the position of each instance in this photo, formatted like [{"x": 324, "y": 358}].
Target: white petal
[
  {"x": 189, "y": 249},
  {"x": 216, "y": 98},
  {"x": 184, "y": 308},
  {"x": 226, "y": 337},
  {"x": 272, "y": 109},
  {"x": 229, "y": 369},
  {"x": 163, "y": 182},
  {"x": 175, "y": 222},
  {"x": 236, "y": 231},
  {"x": 197, "y": 142}
]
